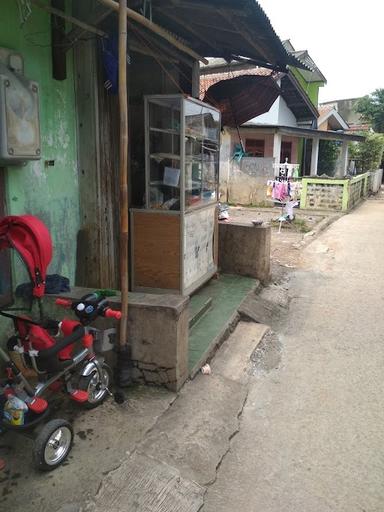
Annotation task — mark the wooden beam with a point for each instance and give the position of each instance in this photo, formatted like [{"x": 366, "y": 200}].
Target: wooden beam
[
  {"x": 243, "y": 32},
  {"x": 189, "y": 28},
  {"x": 244, "y": 64},
  {"x": 153, "y": 44},
  {"x": 136, "y": 47},
  {"x": 70, "y": 19},
  {"x": 95, "y": 17},
  {"x": 59, "y": 58},
  {"x": 214, "y": 27},
  {"x": 153, "y": 27},
  {"x": 203, "y": 6}
]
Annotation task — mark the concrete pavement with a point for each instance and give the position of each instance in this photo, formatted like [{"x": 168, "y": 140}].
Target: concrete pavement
[
  {"x": 311, "y": 435},
  {"x": 290, "y": 419}
]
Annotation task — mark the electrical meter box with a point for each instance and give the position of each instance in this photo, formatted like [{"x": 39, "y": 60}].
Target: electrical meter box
[{"x": 19, "y": 112}]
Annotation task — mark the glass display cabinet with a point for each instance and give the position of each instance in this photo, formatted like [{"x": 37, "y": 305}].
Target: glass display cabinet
[{"x": 174, "y": 238}]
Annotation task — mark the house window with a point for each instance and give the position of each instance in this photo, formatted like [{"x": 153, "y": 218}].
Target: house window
[
  {"x": 286, "y": 152},
  {"x": 255, "y": 147},
  {"x": 5, "y": 263}
]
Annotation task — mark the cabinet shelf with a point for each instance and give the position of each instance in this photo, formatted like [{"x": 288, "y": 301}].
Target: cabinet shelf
[
  {"x": 163, "y": 156},
  {"x": 201, "y": 138},
  {"x": 164, "y": 130}
]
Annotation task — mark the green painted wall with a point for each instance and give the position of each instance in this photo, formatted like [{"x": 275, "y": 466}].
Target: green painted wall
[
  {"x": 311, "y": 88},
  {"x": 50, "y": 193}
]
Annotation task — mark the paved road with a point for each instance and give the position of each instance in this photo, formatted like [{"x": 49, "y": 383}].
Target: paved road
[{"x": 312, "y": 431}]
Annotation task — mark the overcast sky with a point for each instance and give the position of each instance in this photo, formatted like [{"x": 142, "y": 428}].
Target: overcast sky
[{"x": 345, "y": 38}]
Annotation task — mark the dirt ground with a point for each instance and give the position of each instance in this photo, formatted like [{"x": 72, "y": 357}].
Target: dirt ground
[{"x": 285, "y": 245}]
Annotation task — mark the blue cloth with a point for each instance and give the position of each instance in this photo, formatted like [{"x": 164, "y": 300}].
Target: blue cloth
[{"x": 110, "y": 57}]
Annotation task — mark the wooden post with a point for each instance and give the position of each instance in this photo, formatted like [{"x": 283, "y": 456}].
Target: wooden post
[{"x": 123, "y": 170}]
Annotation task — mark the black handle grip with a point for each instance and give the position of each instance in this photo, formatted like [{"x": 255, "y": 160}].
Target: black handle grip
[{"x": 76, "y": 335}]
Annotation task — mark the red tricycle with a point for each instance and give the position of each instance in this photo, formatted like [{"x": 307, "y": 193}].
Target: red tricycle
[{"x": 60, "y": 353}]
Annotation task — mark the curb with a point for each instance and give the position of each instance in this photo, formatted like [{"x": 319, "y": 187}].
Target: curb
[{"x": 324, "y": 224}]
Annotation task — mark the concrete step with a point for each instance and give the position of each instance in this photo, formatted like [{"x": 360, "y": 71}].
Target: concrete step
[
  {"x": 198, "y": 307},
  {"x": 226, "y": 294},
  {"x": 177, "y": 460}
]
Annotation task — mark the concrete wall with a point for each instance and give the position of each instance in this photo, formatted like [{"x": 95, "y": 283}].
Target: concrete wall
[
  {"x": 323, "y": 196},
  {"x": 226, "y": 152},
  {"x": 49, "y": 192},
  {"x": 245, "y": 249},
  {"x": 278, "y": 114},
  {"x": 346, "y": 109},
  {"x": 244, "y": 182},
  {"x": 286, "y": 116},
  {"x": 376, "y": 180},
  {"x": 358, "y": 189},
  {"x": 157, "y": 332},
  {"x": 247, "y": 182},
  {"x": 334, "y": 194},
  {"x": 270, "y": 117}
]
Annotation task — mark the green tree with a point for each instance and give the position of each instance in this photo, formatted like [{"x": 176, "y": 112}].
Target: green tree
[
  {"x": 368, "y": 154},
  {"x": 371, "y": 108},
  {"x": 329, "y": 151}
]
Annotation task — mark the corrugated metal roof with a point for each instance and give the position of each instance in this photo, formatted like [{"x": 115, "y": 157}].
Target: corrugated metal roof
[
  {"x": 223, "y": 28},
  {"x": 305, "y": 132}
]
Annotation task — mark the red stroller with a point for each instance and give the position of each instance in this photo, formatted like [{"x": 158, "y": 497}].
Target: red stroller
[{"x": 60, "y": 353}]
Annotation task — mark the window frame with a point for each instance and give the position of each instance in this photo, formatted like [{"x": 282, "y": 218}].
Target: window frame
[{"x": 253, "y": 140}]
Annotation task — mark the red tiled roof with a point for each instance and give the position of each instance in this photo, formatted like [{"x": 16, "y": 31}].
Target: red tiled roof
[
  {"x": 323, "y": 109},
  {"x": 364, "y": 127},
  {"x": 207, "y": 80}
]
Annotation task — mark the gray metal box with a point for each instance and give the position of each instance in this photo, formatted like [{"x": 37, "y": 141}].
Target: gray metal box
[{"x": 19, "y": 118}]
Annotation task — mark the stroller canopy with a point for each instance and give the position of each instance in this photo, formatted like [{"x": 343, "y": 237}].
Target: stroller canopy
[{"x": 30, "y": 237}]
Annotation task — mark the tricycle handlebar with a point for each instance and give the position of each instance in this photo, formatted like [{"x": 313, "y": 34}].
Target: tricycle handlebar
[{"x": 112, "y": 313}]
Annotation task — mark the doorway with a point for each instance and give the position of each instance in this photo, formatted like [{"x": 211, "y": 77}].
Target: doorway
[{"x": 286, "y": 152}]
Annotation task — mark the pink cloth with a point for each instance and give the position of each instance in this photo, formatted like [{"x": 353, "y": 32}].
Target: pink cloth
[{"x": 280, "y": 190}]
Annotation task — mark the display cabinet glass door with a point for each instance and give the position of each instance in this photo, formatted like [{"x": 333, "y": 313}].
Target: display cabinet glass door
[
  {"x": 202, "y": 135},
  {"x": 163, "y": 154}
]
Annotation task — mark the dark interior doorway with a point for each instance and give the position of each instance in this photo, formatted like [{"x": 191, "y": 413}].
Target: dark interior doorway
[{"x": 286, "y": 152}]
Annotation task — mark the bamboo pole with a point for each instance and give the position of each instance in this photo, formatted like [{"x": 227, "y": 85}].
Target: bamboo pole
[
  {"x": 123, "y": 170},
  {"x": 70, "y": 19},
  {"x": 153, "y": 27}
]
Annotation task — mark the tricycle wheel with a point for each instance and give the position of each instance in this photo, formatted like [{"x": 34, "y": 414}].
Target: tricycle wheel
[
  {"x": 52, "y": 445},
  {"x": 96, "y": 387}
]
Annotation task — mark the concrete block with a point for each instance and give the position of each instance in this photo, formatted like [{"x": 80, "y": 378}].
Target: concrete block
[
  {"x": 245, "y": 249},
  {"x": 158, "y": 334}
]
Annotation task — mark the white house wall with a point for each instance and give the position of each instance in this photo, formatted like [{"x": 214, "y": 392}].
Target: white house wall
[
  {"x": 279, "y": 114},
  {"x": 226, "y": 150},
  {"x": 286, "y": 116},
  {"x": 270, "y": 117}
]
